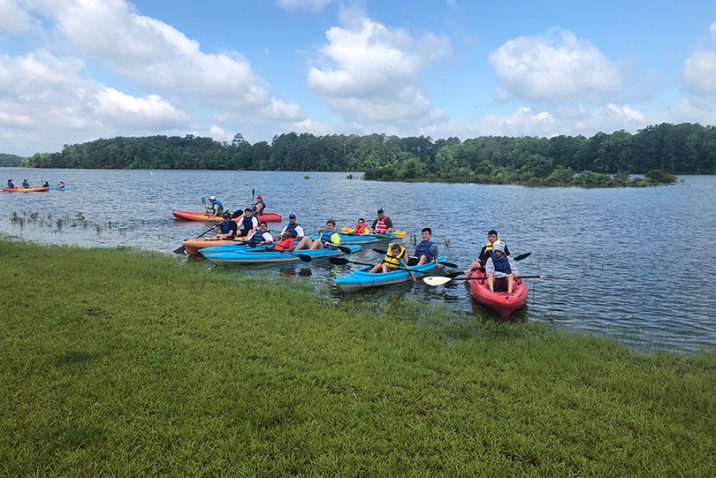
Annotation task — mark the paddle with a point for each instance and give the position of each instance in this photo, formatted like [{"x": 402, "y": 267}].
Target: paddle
[
  {"x": 180, "y": 250},
  {"x": 303, "y": 257},
  {"x": 440, "y": 280},
  {"x": 446, "y": 264}
]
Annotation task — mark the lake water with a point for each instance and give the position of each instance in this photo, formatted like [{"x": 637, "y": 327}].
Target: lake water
[{"x": 635, "y": 264}]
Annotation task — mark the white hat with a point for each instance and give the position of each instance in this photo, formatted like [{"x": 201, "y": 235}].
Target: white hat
[
  {"x": 212, "y": 198},
  {"x": 498, "y": 246}
]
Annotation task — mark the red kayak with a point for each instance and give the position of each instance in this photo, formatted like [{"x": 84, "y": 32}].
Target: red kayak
[
  {"x": 501, "y": 302},
  {"x": 25, "y": 190},
  {"x": 203, "y": 217}
]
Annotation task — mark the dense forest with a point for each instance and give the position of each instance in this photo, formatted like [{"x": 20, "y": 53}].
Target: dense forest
[
  {"x": 10, "y": 160},
  {"x": 657, "y": 151}
]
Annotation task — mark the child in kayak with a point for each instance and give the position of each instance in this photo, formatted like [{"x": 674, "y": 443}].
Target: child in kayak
[
  {"x": 393, "y": 260},
  {"x": 328, "y": 238},
  {"x": 227, "y": 228},
  {"x": 500, "y": 268},
  {"x": 425, "y": 251},
  {"x": 361, "y": 227}
]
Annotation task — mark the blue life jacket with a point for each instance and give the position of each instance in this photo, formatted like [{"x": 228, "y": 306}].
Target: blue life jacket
[
  {"x": 502, "y": 264},
  {"x": 423, "y": 249},
  {"x": 263, "y": 209},
  {"x": 291, "y": 229},
  {"x": 218, "y": 203},
  {"x": 326, "y": 236},
  {"x": 247, "y": 224},
  {"x": 25, "y": 184},
  {"x": 257, "y": 238},
  {"x": 10, "y": 184},
  {"x": 225, "y": 226}
]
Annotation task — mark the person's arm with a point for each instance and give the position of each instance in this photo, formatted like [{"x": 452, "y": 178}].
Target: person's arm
[
  {"x": 513, "y": 266},
  {"x": 405, "y": 266},
  {"x": 389, "y": 225},
  {"x": 375, "y": 221},
  {"x": 233, "y": 230},
  {"x": 299, "y": 232},
  {"x": 434, "y": 252}
]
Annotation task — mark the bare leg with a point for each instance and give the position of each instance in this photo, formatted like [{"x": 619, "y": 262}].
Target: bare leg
[
  {"x": 491, "y": 282},
  {"x": 376, "y": 268},
  {"x": 317, "y": 244},
  {"x": 303, "y": 243},
  {"x": 422, "y": 260},
  {"x": 510, "y": 283}
]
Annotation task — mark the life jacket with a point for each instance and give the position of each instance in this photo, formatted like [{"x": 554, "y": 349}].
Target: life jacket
[
  {"x": 263, "y": 204},
  {"x": 326, "y": 236},
  {"x": 285, "y": 245},
  {"x": 25, "y": 184},
  {"x": 247, "y": 224},
  {"x": 225, "y": 226},
  {"x": 257, "y": 238},
  {"x": 380, "y": 224},
  {"x": 488, "y": 245},
  {"x": 502, "y": 264},
  {"x": 423, "y": 249},
  {"x": 393, "y": 261},
  {"x": 10, "y": 184},
  {"x": 217, "y": 203},
  {"x": 360, "y": 228},
  {"x": 291, "y": 229}
]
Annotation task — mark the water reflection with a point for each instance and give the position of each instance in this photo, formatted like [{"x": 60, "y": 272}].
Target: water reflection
[{"x": 639, "y": 259}]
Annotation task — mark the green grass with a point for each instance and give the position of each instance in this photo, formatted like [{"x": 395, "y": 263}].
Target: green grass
[{"x": 115, "y": 362}]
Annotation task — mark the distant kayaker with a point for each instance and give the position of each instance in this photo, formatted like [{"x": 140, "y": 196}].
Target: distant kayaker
[
  {"x": 361, "y": 227},
  {"x": 217, "y": 207},
  {"x": 382, "y": 223},
  {"x": 10, "y": 184},
  {"x": 227, "y": 228},
  {"x": 425, "y": 251},
  {"x": 247, "y": 223},
  {"x": 25, "y": 183},
  {"x": 261, "y": 236},
  {"x": 394, "y": 259},
  {"x": 286, "y": 243},
  {"x": 499, "y": 267},
  {"x": 328, "y": 238},
  {"x": 259, "y": 206},
  {"x": 61, "y": 185},
  {"x": 45, "y": 184},
  {"x": 480, "y": 262},
  {"x": 293, "y": 228}
]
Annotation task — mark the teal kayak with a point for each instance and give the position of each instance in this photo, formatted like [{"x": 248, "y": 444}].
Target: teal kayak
[
  {"x": 362, "y": 279},
  {"x": 258, "y": 256},
  {"x": 238, "y": 247},
  {"x": 362, "y": 239},
  {"x": 66, "y": 188}
]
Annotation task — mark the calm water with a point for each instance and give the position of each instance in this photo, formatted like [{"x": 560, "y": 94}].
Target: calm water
[{"x": 638, "y": 264}]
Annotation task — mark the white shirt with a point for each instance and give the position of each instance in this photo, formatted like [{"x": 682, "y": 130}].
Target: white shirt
[{"x": 299, "y": 231}]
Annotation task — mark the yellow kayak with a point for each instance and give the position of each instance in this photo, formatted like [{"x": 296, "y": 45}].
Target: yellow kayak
[{"x": 349, "y": 230}]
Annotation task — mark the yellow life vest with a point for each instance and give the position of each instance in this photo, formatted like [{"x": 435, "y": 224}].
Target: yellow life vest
[
  {"x": 393, "y": 261},
  {"x": 488, "y": 245}
]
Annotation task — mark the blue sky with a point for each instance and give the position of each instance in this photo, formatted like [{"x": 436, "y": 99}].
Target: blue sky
[{"x": 76, "y": 70}]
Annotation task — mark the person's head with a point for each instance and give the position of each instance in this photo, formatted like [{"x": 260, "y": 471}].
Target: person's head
[
  {"x": 498, "y": 247},
  {"x": 247, "y": 211},
  {"x": 212, "y": 198},
  {"x": 226, "y": 216},
  {"x": 394, "y": 249},
  {"x": 426, "y": 232},
  {"x": 492, "y": 236},
  {"x": 361, "y": 220},
  {"x": 285, "y": 235},
  {"x": 330, "y": 224},
  {"x": 262, "y": 225},
  {"x": 259, "y": 196},
  {"x": 380, "y": 212},
  {"x": 291, "y": 218}
]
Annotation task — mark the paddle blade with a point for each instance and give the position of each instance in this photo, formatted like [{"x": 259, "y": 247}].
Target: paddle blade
[
  {"x": 522, "y": 256},
  {"x": 381, "y": 251},
  {"x": 400, "y": 234},
  {"x": 304, "y": 257},
  {"x": 339, "y": 261},
  {"x": 452, "y": 265},
  {"x": 345, "y": 250},
  {"x": 179, "y": 250},
  {"x": 435, "y": 281}
]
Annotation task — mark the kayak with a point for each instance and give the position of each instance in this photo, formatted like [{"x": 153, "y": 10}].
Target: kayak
[
  {"x": 362, "y": 279},
  {"x": 501, "y": 302},
  {"x": 259, "y": 256},
  {"x": 362, "y": 239},
  {"x": 66, "y": 188},
  {"x": 25, "y": 190},
  {"x": 192, "y": 246},
  {"x": 203, "y": 217},
  {"x": 349, "y": 230}
]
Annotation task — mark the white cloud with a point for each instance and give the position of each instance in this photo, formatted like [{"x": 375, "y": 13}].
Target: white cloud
[
  {"x": 302, "y": 4},
  {"x": 699, "y": 73},
  {"x": 125, "y": 109},
  {"x": 553, "y": 66},
  {"x": 14, "y": 18},
  {"x": 690, "y": 111},
  {"x": 371, "y": 72}
]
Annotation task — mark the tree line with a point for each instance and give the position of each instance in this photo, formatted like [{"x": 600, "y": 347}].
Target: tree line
[
  {"x": 658, "y": 151},
  {"x": 10, "y": 160}
]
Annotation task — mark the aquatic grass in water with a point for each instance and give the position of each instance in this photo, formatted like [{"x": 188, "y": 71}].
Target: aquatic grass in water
[{"x": 131, "y": 363}]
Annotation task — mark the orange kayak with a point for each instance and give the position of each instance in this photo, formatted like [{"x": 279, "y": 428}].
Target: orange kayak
[
  {"x": 192, "y": 246},
  {"x": 25, "y": 190},
  {"x": 501, "y": 302},
  {"x": 203, "y": 217}
]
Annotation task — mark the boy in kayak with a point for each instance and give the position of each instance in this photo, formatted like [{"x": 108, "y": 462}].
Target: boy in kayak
[
  {"x": 500, "y": 267},
  {"x": 247, "y": 223},
  {"x": 394, "y": 259},
  {"x": 25, "y": 183},
  {"x": 46, "y": 184},
  {"x": 227, "y": 228},
  {"x": 261, "y": 236},
  {"x": 60, "y": 185},
  {"x": 294, "y": 230},
  {"x": 10, "y": 184},
  {"x": 382, "y": 223},
  {"x": 425, "y": 251},
  {"x": 216, "y": 207},
  {"x": 361, "y": 227},
  {"x": 481, "y": 260},
  {"x": 329, "y": 238},
  {"x": 259, "y": 206}
]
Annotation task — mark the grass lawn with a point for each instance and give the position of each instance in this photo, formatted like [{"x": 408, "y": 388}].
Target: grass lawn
[{"x": 117, "y": 362}]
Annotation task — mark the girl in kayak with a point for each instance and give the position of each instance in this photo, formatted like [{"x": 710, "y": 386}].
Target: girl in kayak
[
  {"x": 500, "y": 268},
  {"x": 393, "y": 260}
]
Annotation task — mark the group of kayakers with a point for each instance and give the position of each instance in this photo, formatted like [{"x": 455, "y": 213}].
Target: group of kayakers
[{"x": 26, "y": 184}]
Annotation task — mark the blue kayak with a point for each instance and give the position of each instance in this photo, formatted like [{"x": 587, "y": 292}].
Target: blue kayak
[
  {"x": 362, "y": 279},
  {"x": 362, "y": 239},
  {"x": 239, "y": 246},
  {"x": 66, "y": 188},
  {"x": 257, "y": 256}
]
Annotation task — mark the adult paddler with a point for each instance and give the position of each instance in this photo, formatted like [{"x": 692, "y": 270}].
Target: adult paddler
[
  {"x": 382, "y": 224},
  {"x": 480, "y": 262}
]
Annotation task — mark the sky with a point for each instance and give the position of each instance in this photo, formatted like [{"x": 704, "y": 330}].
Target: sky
[{"x": 76, "y": 70}]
